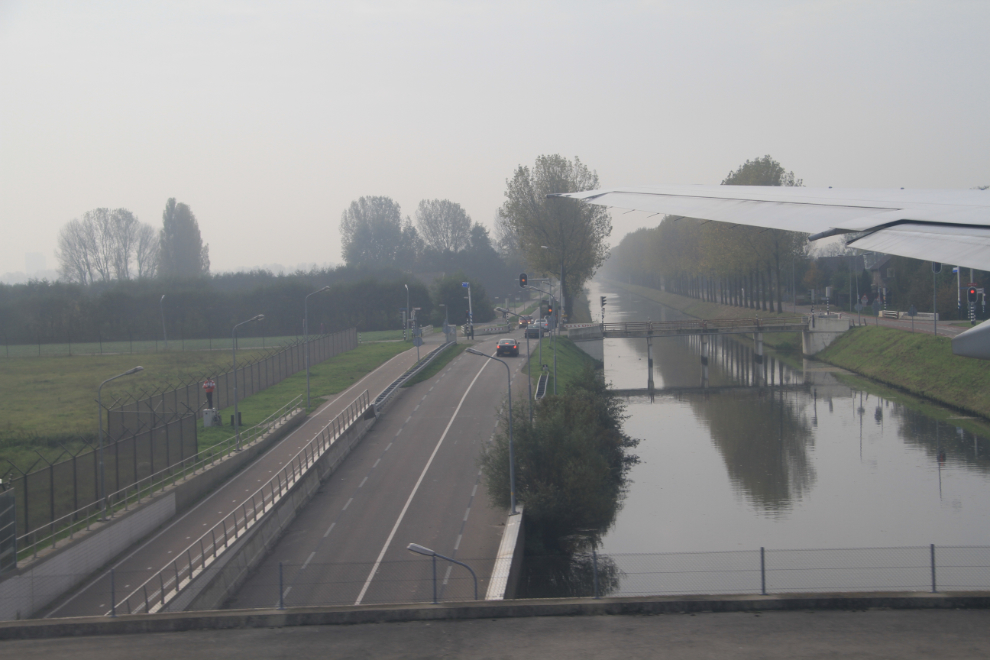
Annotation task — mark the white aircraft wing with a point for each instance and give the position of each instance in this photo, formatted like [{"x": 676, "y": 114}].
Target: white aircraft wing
[{"x": 948, "y": 226}]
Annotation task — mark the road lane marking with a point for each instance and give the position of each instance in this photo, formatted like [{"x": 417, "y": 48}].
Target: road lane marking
[
  {"x": 458, "y": 544},
  {"x": 366, "y": 478},
  {"x": 329, "y": 530},
  {"x": 376, "y": 464},
  {"x": 311, "y": 555},
  {"x": 348, "y": 504},
  {"x": 467, "y": 513},
  {"x": 402, "y": 514}
]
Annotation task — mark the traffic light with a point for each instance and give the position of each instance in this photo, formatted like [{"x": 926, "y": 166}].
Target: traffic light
[
  {"x": 550, "y": 308},
  {"x": 522, "y": 280},
  {"x": 603, "y": 301},
  {"x": 467, "y": 316},
  {"x": 971, "y": 293}
]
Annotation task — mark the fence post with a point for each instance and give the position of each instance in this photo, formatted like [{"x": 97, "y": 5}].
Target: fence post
[
  {"x": 933, "y": 568},
  {"x": 281, "y": 592},
  {"x": 434, "y": 579},
  {"x": 594, "y": 569},
  {"x": 113, "y": 596},
  {"x": 763, "y": 573}
]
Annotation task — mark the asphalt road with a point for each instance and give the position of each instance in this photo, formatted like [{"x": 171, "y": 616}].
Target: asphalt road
[
  {"x": 143, "y": 561},
  {"x": 413, "y": 479}
]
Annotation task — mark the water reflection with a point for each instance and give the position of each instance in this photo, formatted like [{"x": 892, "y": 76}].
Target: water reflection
[{"x": 782, "y": 454}]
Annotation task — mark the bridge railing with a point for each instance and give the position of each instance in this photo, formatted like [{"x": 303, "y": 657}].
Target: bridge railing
[{"x": 645, "y": 327}]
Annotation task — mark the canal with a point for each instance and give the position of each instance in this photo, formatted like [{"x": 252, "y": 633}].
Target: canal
[{"x": 814, "y": 463}]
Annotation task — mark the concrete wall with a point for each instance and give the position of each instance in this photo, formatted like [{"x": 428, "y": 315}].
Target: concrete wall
[
  {"x": 39, "y": 582},
  {"x": 215, "y": 585},
  {"x": 593, "y": 347},
  {"x": 32, "y": 588},
  {"x": 508, "y": 565},
  {"x": 824, "y": 331}
]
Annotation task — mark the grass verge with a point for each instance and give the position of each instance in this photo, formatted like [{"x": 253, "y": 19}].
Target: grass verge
[
  {"x": 327, "y": 378},
  {"x": 571, "y": 362},
  {"x": 917, "y": 363},
  {"x": 438, "y": 364}
]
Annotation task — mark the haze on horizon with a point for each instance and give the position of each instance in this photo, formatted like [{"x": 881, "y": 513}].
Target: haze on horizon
[{"x": 268, "y": 119}]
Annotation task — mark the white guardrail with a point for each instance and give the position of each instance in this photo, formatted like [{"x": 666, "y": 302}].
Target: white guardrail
[
  {"x": 165, "y": 585},
  {"x": 67, "y": 526}
]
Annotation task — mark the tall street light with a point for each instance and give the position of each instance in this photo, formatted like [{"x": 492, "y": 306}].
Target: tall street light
[
  {"x": 559, "y": 312},
  {"x": 161, "y": 304},
  {"x": 529, "y": 362},
  {"x": 233, "y": 341},
  {"x": 306, "y": 336},
  {"x": 512, "y": 460},
  {"x": 405, "y": 317},
  {"x": 99, "y": 404}
]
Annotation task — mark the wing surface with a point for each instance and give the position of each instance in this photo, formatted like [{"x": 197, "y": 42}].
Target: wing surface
[{"x": 951, "y": 226}]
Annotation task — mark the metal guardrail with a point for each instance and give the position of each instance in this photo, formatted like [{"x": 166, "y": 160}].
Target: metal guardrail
[
  {"x": 67, "y": 526},
  {"x": 162, "y": 587}
]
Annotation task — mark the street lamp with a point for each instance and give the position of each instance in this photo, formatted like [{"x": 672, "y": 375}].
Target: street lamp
[
  {"x": 161, "y": 304},
  {"x": 420, "y": 550},
  {"x": 512, "y": 469},
  {"x": 306, "y": 334},
  {"x": 559, "y": 312},
  {"x": 405, "y": 317},
  {"x": 529, "y": 362},
  {"x": 99, "y": 404},
  {"x": 233, "y": 342}
]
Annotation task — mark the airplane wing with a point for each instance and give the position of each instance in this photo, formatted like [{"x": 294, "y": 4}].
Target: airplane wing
[{"x": 948, "y": 226}]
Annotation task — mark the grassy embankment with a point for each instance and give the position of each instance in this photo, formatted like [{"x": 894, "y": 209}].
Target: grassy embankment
[
  {"x": 218, "y": 345},
  {"x": 571, "y": 361},
  {"x": 49, "y": 403},
  {"x": 919, "y": 364}
]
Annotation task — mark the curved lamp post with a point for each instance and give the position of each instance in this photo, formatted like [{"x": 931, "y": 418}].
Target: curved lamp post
[
  {"x": 418, "y": 549},
  {"x": 99, "y": 404},
  {"x": 529, "y": 361},
  {"x": 512, "y": 468},
  {"x": 405, "y": 319},
  {"x": 233, "y": 342},
  {"x": 306, "y": 333}
]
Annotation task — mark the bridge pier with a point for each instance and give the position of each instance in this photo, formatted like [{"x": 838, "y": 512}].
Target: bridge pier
[
  {"x": 704, "y": 361},
  {"x": 649, "y": 362},
  {"x": 758, "y": 337}
]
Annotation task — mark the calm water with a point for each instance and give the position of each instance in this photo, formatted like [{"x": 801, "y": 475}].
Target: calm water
[{"x": 813, "y": 464}]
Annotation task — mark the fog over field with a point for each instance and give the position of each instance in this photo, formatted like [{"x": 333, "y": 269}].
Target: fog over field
[{"x": 268, "y": 119}]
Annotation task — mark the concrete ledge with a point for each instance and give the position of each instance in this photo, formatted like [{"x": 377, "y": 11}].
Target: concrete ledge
[
  {"x": 508, "y": 564},
  {"x": 347, "y": 615}
]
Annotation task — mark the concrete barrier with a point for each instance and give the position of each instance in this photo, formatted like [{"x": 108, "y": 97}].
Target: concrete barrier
[
  {"x": 821, "y": 333},
  {"x": 226, "y": 575},
  {"x": 39, "y": 582},
  {"x": 348, "y": 615},
  {"x": 508, "y": 565}
]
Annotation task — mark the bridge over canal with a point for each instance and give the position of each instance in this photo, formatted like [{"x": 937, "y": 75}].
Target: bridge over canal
[{"x": 817, "y": 332}]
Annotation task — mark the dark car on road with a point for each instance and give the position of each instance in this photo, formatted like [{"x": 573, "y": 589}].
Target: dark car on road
[
  {"x": 534, "y": 330},
  {"x": 507, "y": 347}
]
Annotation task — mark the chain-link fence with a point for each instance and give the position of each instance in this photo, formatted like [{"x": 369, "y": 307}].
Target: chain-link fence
[
  {"x": 62, "y": 487},
  {"x": 8, "y": 531},
  {"x": 126, "y": 418}
]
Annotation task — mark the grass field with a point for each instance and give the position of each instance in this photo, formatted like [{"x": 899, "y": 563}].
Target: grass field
[
  {"x": 438, "y": 364},
  {"x": 571, "y": 361},
  {"x": 386, "y": 335},
  {"x": 219, "y": 345}
]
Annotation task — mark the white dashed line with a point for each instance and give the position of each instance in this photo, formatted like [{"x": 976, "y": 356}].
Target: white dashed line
[
  {"x": 474, "y": 491},
  {"x": 376, "y": 463},
  {"x": 348, "y": 504},
  {"x": 362, "y": 482},
  {"x": 329, "y": 529},
  {"x": 467, "y": 513},
  {"x": 311, "y": 555},
  {"x": 458, "y": 544}
]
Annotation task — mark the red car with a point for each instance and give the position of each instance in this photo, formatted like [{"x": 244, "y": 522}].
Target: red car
[{"x": 507, "y": 347}]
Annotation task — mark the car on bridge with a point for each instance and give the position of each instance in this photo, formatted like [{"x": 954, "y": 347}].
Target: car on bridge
[
  {"x": 535, "y": 330},
  {"x": 507, "y": 347}
]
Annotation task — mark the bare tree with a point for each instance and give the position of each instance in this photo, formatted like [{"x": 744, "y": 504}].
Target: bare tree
[
  {"x": 146, "y": 251},
  {"x": 102, "y": 245},
  {"x": 443, "y": 224}
]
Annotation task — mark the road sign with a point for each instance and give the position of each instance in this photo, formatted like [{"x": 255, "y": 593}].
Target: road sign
[
  {"x": 417, "y": 341},
  {"x": 913, "y": 311},
  {"x": 858, "y": 307},
  {"x": 876, "y": 307},
  {"x": 864, "y": 299},
  {"x": 936, "y": 267}
]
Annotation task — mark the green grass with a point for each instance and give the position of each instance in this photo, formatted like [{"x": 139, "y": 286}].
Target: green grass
[
  {"x": 327, "y": 379},
  {"x": 219, "y": 345},
  {"x": 56, "y": 396},
  {"x": 438, "y": 364},
  {"x": 387, "y": 335},
  {"x": 571, "y": 361},
  {"x": 918, "y": 363}
]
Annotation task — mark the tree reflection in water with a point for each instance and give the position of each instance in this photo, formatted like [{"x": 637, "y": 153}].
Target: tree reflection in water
[{"x": 568, "y": 576}]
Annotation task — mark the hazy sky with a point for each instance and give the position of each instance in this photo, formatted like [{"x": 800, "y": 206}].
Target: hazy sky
[{"x": 268, "y": 118}]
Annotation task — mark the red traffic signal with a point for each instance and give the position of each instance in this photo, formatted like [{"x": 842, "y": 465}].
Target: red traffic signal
[
  {"x": 971, "y": 293},
  {"x": 522, "y": 280}
]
